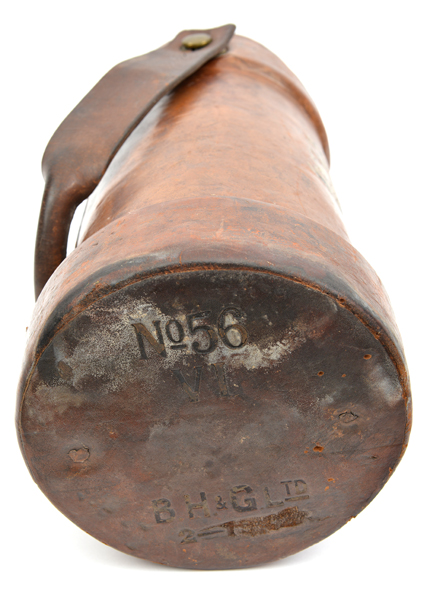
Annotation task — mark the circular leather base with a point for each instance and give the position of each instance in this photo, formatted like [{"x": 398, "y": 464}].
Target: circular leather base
[{"x": 213, "y": 418}]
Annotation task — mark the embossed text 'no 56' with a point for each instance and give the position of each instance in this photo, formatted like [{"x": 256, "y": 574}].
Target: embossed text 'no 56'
[{"x": 232, "y": 334}]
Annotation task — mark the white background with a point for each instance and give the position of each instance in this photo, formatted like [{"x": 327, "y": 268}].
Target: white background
[{"x": 364, "y": 64}]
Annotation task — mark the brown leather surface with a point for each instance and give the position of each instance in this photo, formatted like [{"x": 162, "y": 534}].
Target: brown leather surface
[
  {"x": 111, "y": 438},
  {"x": 137, "y": 416},
  {"x": 236, "y": 128},
  {"x": 86, "y": 141}
]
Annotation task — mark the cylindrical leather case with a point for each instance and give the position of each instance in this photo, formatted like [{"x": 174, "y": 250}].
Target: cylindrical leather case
[{"x": 214, "y": 377}]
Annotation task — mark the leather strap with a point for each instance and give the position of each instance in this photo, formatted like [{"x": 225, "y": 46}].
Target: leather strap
[{"x": 84, "y": 144}]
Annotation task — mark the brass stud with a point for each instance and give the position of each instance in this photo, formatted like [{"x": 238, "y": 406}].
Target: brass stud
[{"x": 194, "y": 41}]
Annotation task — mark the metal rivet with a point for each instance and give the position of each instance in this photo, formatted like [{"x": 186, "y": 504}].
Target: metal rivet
[{"x": 195, "y": 41}]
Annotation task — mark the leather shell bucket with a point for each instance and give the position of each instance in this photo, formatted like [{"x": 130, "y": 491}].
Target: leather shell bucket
[{"x": 213, "y": 377}]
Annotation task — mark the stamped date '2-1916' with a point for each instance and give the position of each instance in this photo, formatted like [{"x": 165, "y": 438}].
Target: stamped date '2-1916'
[{"x": 240, "y": 500}]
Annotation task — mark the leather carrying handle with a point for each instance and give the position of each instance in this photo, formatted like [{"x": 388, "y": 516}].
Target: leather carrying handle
[{"x": 84, "y": 144}]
